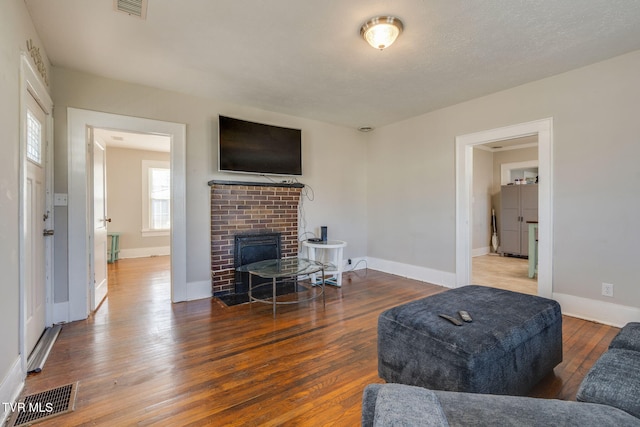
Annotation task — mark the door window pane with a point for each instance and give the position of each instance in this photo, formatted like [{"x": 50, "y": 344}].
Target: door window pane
[{"x": 34, "y": 138}]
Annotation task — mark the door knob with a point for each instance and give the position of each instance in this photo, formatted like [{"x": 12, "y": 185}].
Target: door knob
[
  {"x": 107, "y": 220},
  {"x": 47, "y": 232}
]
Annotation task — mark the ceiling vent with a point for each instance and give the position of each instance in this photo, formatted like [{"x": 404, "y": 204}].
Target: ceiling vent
[{"x": 131, "y": 7}]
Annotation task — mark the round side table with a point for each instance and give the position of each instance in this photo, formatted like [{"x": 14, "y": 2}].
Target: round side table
[{"x": 333, "y": 250}]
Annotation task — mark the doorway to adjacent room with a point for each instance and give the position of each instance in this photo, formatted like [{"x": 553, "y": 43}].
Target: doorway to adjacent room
[
  {"x": 464, "y": 202},
  {"x": 81, "y": 123}
]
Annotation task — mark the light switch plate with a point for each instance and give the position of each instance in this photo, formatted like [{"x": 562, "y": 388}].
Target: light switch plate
[{"x": 60, "y": 199}]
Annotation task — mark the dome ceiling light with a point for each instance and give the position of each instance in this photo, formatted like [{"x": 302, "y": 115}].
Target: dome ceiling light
[{"x": 380, "y": 32}]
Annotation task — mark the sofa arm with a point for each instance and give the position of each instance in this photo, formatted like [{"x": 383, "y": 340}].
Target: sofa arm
[
  {"x": 398, "y": 404},
  {"x": 614, "y": 380},
  {"x": 628, "y": 338},
  {"x": 369, "y": 403}
]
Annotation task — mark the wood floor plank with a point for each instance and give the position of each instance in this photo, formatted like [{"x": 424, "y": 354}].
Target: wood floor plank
[{"x": 141, "y": 360}]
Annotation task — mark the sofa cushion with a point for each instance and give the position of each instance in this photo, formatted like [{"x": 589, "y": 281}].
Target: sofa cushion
[
  {"x": 628, "y": 338},
  {"x": 471, "y": 409},
  {"x": 398, "y": 405},
  {"x": 614, "y": 380}
]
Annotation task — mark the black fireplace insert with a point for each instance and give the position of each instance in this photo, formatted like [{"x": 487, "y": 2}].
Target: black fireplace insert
[{"x": 250, "y": 248}]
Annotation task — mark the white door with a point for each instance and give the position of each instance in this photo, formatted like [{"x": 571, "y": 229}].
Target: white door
[
  {"x": 99, "y": 224},
  {"x": 36, "y": 222}
]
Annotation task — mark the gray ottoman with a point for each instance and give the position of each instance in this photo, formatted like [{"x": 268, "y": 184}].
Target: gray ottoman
[{"x": 513, "y": 342}]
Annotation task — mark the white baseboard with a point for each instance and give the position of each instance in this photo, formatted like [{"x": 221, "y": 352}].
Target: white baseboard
[
  {"x": 481, "y": 251},
  {"x": 596, "y": 310},
  {"x": 199, "y": 290},
  {"x": 424, "y": 274},
  {"x": 10, "y": 388},
  {"x": 144, "y": 252},
  {"x": 61, "y": 312},
  {"x": 582, "y": 308}
]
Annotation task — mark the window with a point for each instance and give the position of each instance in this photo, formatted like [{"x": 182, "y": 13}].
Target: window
[
  {"x": 159, "y": 198},
  {"x": 156, "y": 198}
]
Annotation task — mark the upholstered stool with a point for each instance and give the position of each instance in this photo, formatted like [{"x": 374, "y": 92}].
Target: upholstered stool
[{"x": 513, "y": 341}]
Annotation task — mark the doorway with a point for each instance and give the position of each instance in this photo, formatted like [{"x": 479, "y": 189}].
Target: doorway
[
  {"x": 36, "y": 210},
  {"x": 500, "y": 257},
  {"x": 131, "y": 201},
  {"x": 464, "y": 184},
  {"x": 80, "y": 124}
]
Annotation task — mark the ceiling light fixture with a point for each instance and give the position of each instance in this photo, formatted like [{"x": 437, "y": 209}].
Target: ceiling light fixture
[{"x": 380, "y": 32}]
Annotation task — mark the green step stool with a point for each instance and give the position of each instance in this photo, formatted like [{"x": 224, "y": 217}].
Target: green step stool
[{"x": 114, "y": 246}]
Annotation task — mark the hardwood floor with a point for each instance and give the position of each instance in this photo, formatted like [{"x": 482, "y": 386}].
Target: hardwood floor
[{"x": 143, "y": 361}]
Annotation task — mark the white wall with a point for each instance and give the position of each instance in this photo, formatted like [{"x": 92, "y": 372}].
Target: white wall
[
  {"x": 481, "y": 207},
  {"x": 124, "y": 201},
  {"x": 595, "y": 202},
  {"x": 15, "y": 29},
  {"x": 332, "y": 161}
]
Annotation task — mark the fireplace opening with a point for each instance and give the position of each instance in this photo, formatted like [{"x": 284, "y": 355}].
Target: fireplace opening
[{"x": 250, "y": 248}]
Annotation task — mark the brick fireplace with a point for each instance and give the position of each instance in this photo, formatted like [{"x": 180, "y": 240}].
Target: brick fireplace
[{"x": 243, "y": 208}]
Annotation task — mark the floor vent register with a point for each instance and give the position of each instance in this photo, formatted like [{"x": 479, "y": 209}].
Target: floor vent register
[{"x": 44, "y": 405}]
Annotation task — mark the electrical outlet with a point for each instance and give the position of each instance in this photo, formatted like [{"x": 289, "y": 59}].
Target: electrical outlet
[
  {"x": 607, "y": 289},
  {"x": 349, "y": 261}
]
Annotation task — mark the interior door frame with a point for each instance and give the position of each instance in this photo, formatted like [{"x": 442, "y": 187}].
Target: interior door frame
[
  {"x": 80, "y": 196},
  {"x": 32, "y": 85},
  {"x": 464, "y": 184}
]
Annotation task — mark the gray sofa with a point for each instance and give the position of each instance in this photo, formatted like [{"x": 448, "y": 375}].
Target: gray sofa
[{"x": 609, "y": 395}]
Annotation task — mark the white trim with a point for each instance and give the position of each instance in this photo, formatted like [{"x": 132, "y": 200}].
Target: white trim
[
  {"x": 145, "y": 252},
  {"x": 11, "y": 387},
  {"x": 597, "y": 310},
  {"x": 423, "y": 274},
  {"x": 79, "y": 231},
  {"x": 60, "y": 312},
  {"x": 506, "y": 168},
  {"x": 464, "y": 174},
  {"x": 155, "y": 233},
  {"x": 199, "y": 290},
  {"x": 481, "y": 251},
  {"x": 508, "y": 148}
]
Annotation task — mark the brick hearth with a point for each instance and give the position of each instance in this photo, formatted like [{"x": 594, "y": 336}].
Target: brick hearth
[{"x": 243, "y": 208}]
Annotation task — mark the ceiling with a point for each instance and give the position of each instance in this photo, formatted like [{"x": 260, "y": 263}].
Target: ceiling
[
  {"x": 132, "y": 140},
  {"x": 306, "y": 58}
]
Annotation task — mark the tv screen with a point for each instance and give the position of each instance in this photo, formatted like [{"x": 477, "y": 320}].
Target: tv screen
[{"x": 258, "y": 148}]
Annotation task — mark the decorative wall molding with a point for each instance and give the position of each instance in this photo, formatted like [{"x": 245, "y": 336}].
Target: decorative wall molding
[{"x": 34, "y": 52}]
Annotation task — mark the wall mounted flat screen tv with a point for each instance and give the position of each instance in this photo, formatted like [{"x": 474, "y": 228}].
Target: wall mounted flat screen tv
[{"x": 258, "y": 148}]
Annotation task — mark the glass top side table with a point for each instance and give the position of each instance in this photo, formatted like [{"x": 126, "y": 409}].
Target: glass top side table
[{"x": 282, "y": 268}]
